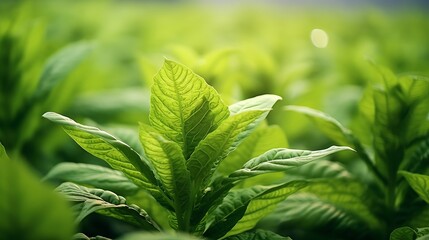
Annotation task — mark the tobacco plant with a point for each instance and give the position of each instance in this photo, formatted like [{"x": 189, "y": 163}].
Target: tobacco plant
[
  {"x": 191, "y": 131},
  {"x": 391, "y": 137}
]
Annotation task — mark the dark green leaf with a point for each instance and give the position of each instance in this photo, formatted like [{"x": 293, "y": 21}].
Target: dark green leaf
[
  {"x": 403, "y": 233},
  {"x": 158, "y": 236},
  {"x": 418, "y": 182}
]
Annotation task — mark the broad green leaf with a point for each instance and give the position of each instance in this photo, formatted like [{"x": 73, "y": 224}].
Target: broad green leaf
[
  {"x": 281, "y": 159},
  {"x": 407, "y": 233},
  {"x": 338, "y": 204},
  {"x": 28, "y": 208},
  {"x": 170, "y": 165},
  {"x": 89, "y": 200},
  {"x": 92, "y": 175},
  {"x": 241, "y": 209},
  {"x": 158, "y": 236},
  {"x": 261, "y": 140},
  {"x": 115, "y": 152},
  {"x": 327, "y": 124},
  {"x": 262, "y": 102},
  {"x": 418, "y": 182},
  {"x": 219, "y": 143},
  {"x": 257, "y": 234},
  {"x": 60, "y": 65},
  {"x": 319, "y": 169},
  {"x": 403, "y": 233},
  {"x": 183, "y": 107}
]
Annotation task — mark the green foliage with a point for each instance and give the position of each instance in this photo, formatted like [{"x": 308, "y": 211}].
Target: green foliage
[
  {"x": 390, "y": 136},
  {"x": 28, "y": 208},
  {"x": 190, "y": 133}
]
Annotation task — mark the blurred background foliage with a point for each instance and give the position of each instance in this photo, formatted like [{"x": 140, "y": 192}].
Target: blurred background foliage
[{"x": 97, "y": 59}]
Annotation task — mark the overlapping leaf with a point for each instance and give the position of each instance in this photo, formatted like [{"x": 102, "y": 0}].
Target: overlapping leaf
[
  {"x": 115, "y": 152},
  {"x": 281, "y": 159},
  {"x": 218, "y": 144},
  {"x": 89, "y": 200},
  {"x": 243, "y": 208},
  {"x": 257, "y": 235},
  {"x": 167, "y": 158},
  {"x": 94, "y": 176},
  {"x": 340, "y": 204},
  {"x": 183, "y": 107}
]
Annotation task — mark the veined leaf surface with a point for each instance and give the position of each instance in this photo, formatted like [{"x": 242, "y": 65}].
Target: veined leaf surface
[
  {"x": 418, "y": 182},
  {"x": 167, "y": 158},
  {"x": 89, "y": 200},
  {"x": 218, "y": 144},
  {"x": 243, "y": 208},
  {"x": 94, "y": 176},
  {"x": 115, "y": 152},
  {"x": 281, "y": 159},
  {"x": 262, "y": 102},
  {"x": 184, "y": 108}
]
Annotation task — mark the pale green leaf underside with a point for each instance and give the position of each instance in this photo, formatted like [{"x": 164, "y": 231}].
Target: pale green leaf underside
[
  {"x": 241, "y": 209},
  {"x": 257, "y": 234},
  {"x": 327, "y": 124},
  {"x": 281, "y": 159},
  {"x": 92, "y": 175},
  {"x": 184, "y": 108},
  {"x": 106, "y": 147},
  {"x": 89, "y": 200},
  {"x": 60, "y": 65},
  {"x": 262, "y": 102},
  {"x": 29, "y": 208},
  {"x": 418, "y": 182},
  {"x": 219, "y": 143},
  {"x": 170, "y": 165}
]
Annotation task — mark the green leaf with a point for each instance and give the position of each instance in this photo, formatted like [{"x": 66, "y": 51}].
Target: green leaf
[
  {"x": 281, "y": 159},
  {"x": 81, "y": 236},
  {"x": 108, "y": 148},
  {"x": 170, "y": 165},
  {"x": 319, "y": 169},
  {"x": 28, "y": 208},
  {"x": 407, "y": 233},
  {"x": 403, "y": 233},
  {"x": 89, "y": 200},
  {"x": 218, "y": 144},
  {"x": 262, "y": 102},
  {"x": 241, "y": 209},
  {"x": 338, "y": 204},
  {"x": 60, "y": 65},
  {"x": 418, "y": 182},
  {"x": 183, "y": 107},
  {"x": 92, "y": 175},
  {"x": 158, "y": 236},
  {"x": 257, "y": 234},
  {"x": 327, "y": 124}
]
